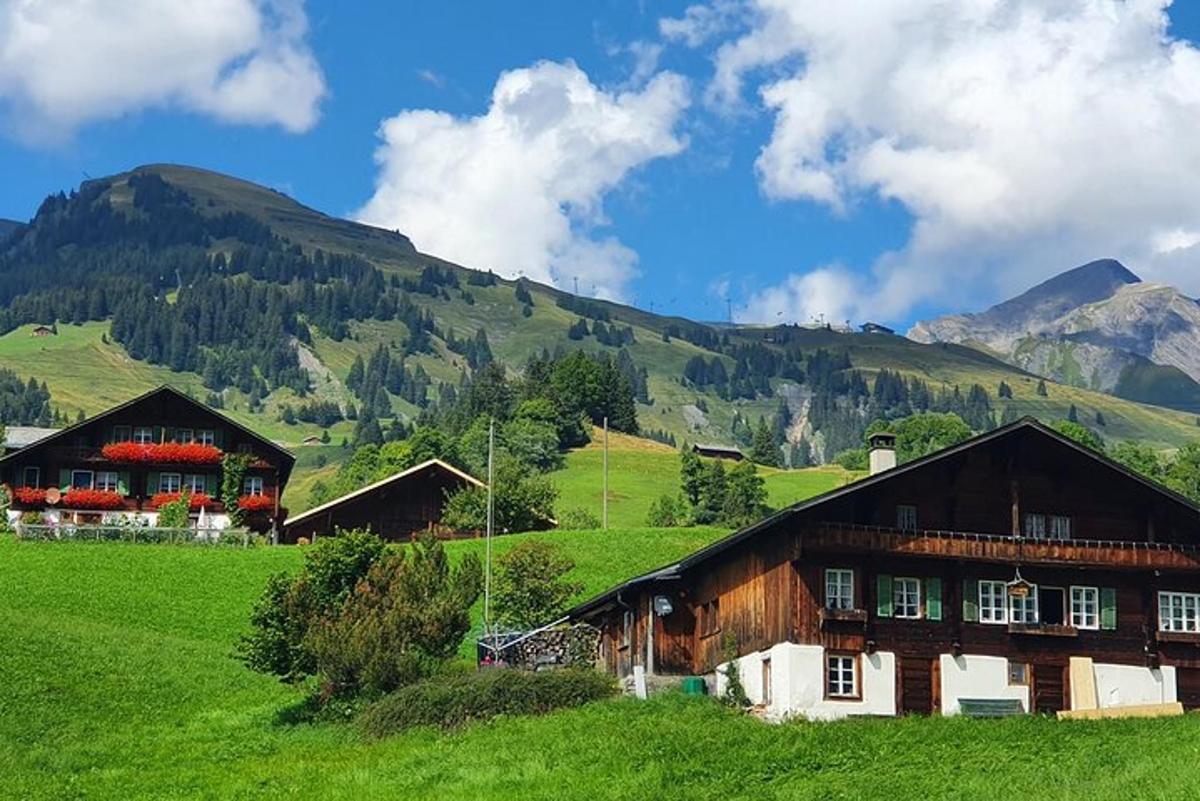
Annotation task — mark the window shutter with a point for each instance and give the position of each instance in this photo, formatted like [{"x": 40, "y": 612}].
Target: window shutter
[
  {"x": 151, "y": 483},
  {"x": 64, "y": 480},
  {"x": 168, "y": 434},
  {"x": 158, "y": 435},
  {"x": 933, "y": 598},
  {"x": 970, "y": 610},
  {"x": 210, "y": 485},
  {"x": 883, "y": 595},
  {"x": 123, "y": 483},
  {"x": 1108, "y": 608},
  {"x": 219, "y": 437}
]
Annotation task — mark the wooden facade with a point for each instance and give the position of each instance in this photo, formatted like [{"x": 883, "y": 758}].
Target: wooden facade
[
  {"x": 395, "y": 508},
  {"x": 1021, "y": 501},
  {"x": 75, "y": 458}
]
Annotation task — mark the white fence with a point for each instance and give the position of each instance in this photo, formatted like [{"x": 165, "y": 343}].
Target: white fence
[{"x": 99, "y": 532}]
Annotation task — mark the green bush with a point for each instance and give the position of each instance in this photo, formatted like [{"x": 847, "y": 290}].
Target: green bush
[
  {"x": 578, "y": 519},
  {"x": 531, "y": 585},
  {"x": 452, "y": 701}
]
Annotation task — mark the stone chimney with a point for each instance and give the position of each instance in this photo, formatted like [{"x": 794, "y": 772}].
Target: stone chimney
[{"x": 882, "y": 454}]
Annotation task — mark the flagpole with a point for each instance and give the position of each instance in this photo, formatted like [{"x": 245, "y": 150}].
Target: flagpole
[
  {"x": 604, "y": 524},
  {"x": 487, "y": 574}
]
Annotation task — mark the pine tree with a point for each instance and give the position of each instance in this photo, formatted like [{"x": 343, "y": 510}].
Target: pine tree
[{"x": 764, "y": 450}]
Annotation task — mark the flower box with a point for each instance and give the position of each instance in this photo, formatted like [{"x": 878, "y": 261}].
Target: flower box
[
  {"x": 29, "y": 496},
  {"x": 92, "y": 499},
  {"x": 163, "y": 453},
  {"x": 196, "y": 501},
  {"x": 256, "y": 503}
]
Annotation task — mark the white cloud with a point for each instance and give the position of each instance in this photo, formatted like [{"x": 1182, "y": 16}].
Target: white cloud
[
  {"x": 1023, "y": 136},
  {"x": 828, "y": 294},
  {"x": 701, "y": 23},
  {"x": 66, "y": 63},
  {"x": 520, "y": 188}
]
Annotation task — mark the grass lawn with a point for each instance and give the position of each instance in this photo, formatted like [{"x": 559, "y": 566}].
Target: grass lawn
[
  {"x": 116, "y": 683},
  {"x": 641, "y": 470}
]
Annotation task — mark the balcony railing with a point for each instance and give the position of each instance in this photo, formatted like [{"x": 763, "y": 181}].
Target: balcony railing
[{"x": 1003, "y": 547}]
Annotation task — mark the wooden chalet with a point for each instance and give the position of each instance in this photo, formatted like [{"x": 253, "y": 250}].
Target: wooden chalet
[
  {"x": 133, "y": 457},
  {"x": 1018, "y": 570},
  {"x": 395, "y": 508},
  {"x": 719, "y": 452}
]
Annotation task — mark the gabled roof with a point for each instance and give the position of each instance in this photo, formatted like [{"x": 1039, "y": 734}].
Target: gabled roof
[
  {"x": 17, "y": 437},
  {"x": 403, "y": 474},
  {"x": 286, "y": 457},
  {"x": 675, "y": 570},
  {"x": 700, "y": 446}
]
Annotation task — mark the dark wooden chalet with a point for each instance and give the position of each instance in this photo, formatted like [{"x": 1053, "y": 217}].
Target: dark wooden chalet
[
  {"x": 719, "y": 452},
  {"x": 395, "y": 508},
  {"x": 139, "y": 454},
  {"x": 1017, "y": 569}
]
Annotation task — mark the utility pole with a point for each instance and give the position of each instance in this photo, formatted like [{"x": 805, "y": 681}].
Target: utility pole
[
  {"x": 729, "y": 310},
  {"x": 487, "y": 573},
  {"x": 577, "y": 285},
  {"x": 604, "y": 523}
]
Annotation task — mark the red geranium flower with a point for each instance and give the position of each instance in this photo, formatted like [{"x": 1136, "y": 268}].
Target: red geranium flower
[
  {"x": 195, "y": 501},
  {"x": 92, "y": 499},
  {"x": 29, "y": 496},
  {"x": 256, "y": 503},
  {"x": 163, "y": 453}
]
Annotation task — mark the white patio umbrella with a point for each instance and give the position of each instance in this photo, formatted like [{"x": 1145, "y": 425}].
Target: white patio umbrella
[{"x": 202, "y": 522}]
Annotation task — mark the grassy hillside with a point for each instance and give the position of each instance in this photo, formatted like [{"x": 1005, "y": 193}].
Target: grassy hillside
[
  {"x": 640, "y": 471},
  {"x": 117, "y": 684}
]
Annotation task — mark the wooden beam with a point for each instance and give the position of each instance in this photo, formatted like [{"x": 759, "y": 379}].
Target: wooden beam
[{"x": 1173, "y": 709}]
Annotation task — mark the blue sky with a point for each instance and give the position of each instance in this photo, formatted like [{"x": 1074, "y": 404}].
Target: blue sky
[{"x": 881, "y": 161}]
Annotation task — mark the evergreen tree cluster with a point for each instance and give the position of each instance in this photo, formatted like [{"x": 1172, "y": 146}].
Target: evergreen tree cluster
[
  {"x": 476, "y": 350},
  {"x": 584, "y": 307},
  {"x": 383, "y": 373},
  {"x": 24, "y": 403}
]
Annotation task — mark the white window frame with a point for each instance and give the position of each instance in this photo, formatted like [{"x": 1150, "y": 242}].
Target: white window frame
[
  {"x": 253, "y": 485},
  {"x": 37, "y": 476},
  {"x": 906, "y": 517},
  {"x": 1024, "y": 610},
  {"x": 1023, "y": 679},
  {"x": 1081, "y": 598},
  {"x": 841, "y": 676},
  {"x": 1058, "y": 527},
  {"x": 206, "y": 436},
  {"x": 1179, "y": 612},
  {"x": 122, "y": 434},
  {"x": 91, "y": 482},
  {"x": 184, "y": 436},
  {"x": 190, "y": 484},
  {"x": 164, "y": 485},
  {"x": 839, "y": 588},
  {"x": 906, "y": 597},
  {"x": 995, "y": 609},
  {"x": 143, "y": 435},
  {"x": 1034, "y": 526},
  {"x": 107, "y": 480}
]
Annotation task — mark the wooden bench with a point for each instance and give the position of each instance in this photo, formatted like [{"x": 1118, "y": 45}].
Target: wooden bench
[{"x": 990, "y": 707}]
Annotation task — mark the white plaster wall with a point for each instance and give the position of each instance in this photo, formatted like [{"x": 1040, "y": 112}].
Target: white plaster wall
[
  {"x": 1126, "y": 685},
  {"x": 798, "y": 683},
  {"x": 970, "y": 676}
]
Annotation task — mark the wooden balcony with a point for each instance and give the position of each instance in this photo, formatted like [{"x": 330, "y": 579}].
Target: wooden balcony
[
  {"x": 1117, "y": 554},
  {"x": 846, "y": 617}
]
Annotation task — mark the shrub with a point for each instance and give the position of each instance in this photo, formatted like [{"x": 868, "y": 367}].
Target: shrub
[
  {"x": 450, "y": 702},
  {"x": 195, "y": 501},
  {"x": 531, "y": 588},
  {"x": 852, "y": 459},
  {"x": 578, "y": 519},
  {"x": 522, "y": 501},
  {"x": 174, "y": 513},
  {"x": 667, "y": 512},
  {"x": 400, "y": 623}
]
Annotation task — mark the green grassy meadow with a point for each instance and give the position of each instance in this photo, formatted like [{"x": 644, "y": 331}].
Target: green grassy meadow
[{"x": 116, "y": 683}]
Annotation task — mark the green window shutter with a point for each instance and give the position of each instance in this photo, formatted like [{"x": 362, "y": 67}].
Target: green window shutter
[
  {"x": 1108, "y": 608},
  {"x": 219, "y": 437},
  {"x": 168, "y": 434},
  {"x": 151, "y": 483},
  {"x": 883, "y": 595},
  {"x": 64, "y": 479},
  {"x": 933, "y": 598},
  {"x": 210, "y": 485},
  {"x": 123, "y": 483},
  {"x": 970, "y": 601}
]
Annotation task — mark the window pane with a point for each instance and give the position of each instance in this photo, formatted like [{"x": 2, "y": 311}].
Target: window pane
[{"x": 81, "y": 479}]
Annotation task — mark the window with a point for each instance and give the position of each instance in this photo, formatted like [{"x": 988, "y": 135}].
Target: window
[
  {"x": 906, "y": 597},
  {"x": 1035, "y": 526},
  {"x": 1052, "y": 604},
  {"x": 195, "y": 484},
  {"x": 253, "y": 485},
  {"x": 1023, "y": 609},
  {"x": 206, "y": 436},
  {"x": 107, "y": 480},
  {"x": 185, "y": 436},
  {"x": 710, "y": 618},
  {"x": 1085, "y": 607},
  {"x": 170, "y": 482},
  {"x": 1018, "y": 673},
  {"x": 992, "y": 606},
  {"x": 32, "y": 477},
  {"x": 143, "y": 435},
  {"x": 1179, "y": 611},
  {"x": 842, "y": 676},
  {"x": 82, "y": 479},
  {"x": 1060, "y": 527},
  {"x": 839, "y": 588},
  {"x": 766, "y": 681},
  {"x": 906, "y": 517},
  {"x": 122, "y": 433}
]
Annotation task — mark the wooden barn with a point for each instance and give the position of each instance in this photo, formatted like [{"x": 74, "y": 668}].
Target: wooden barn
[
  {"x": 719, "y": 452},
  {"x": 395, "y": 508},
  {"x": 1018, "y": 571}
]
